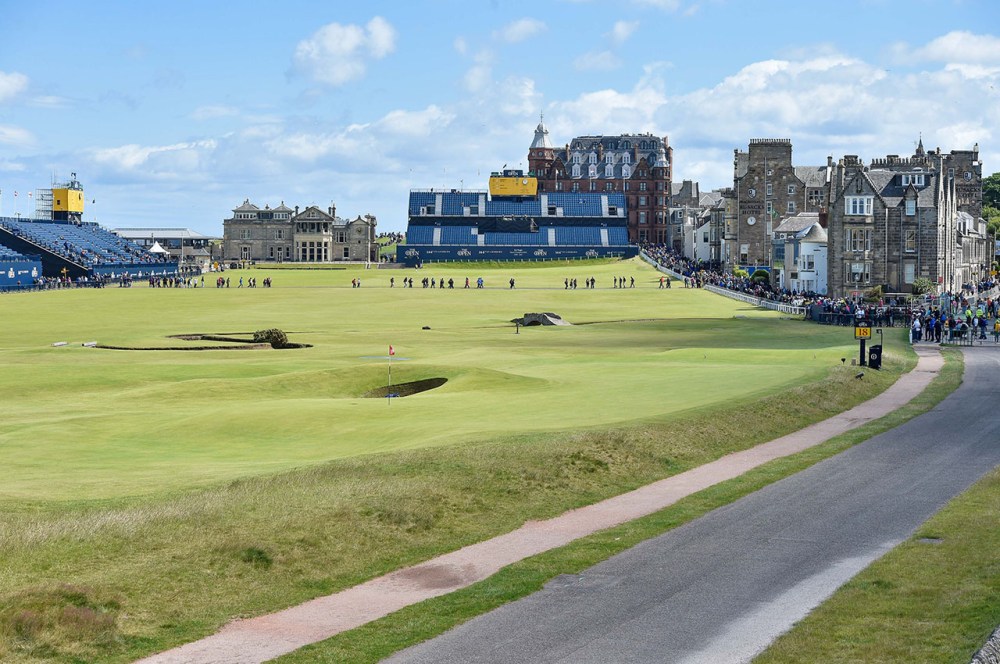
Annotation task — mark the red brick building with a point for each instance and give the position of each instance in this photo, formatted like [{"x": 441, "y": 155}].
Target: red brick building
[{"x": 638, "y": 165}]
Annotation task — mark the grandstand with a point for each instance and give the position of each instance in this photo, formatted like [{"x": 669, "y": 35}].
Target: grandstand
[
  {"x": 17, "y": 270},
  {"x": 474, "y": 225},
  {"x": 78, "y": 249}
]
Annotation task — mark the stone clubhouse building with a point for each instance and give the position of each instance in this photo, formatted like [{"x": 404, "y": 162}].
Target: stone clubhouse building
[{"x": 283, "y": 234}]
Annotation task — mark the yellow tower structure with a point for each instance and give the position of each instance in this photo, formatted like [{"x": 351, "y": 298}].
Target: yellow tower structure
[{"x": 67, "y": 201}]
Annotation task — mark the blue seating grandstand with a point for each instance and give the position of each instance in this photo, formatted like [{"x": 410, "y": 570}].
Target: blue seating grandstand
[
  {"x": 453, "y": 225},
  {"x": 9, "y": 254},
  {"x": 85, "y": 244}
]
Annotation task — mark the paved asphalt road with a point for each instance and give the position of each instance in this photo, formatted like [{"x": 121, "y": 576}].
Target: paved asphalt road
[{"x": 721, "y": 588}]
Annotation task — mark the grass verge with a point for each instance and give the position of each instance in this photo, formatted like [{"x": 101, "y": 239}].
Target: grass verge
[
  {"x": 934, "y": 598},
  {"x": 381, "y": 638},
  {"x": 179, "y": 567}
]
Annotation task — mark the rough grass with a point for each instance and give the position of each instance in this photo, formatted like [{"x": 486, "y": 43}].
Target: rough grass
[
  {"x": 196, "y": 487},
  {"x": 187, "y": 564},
  {"x": 409, "y": 626}
]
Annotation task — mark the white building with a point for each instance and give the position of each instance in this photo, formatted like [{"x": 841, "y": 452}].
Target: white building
[{"x": 800, "y": 254}]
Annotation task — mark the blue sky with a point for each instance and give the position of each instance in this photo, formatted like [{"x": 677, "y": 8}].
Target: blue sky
[{"x": 172, "y": 114}]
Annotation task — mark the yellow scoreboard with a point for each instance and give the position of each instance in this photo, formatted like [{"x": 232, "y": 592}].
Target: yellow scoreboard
[{"x": 513, "y": 184}]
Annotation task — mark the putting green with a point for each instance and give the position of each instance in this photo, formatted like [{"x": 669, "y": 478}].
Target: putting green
[{"x": 88, "y": 423}]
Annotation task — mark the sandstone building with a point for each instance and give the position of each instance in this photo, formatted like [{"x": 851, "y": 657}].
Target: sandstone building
[{"x": 282, "y": 234}]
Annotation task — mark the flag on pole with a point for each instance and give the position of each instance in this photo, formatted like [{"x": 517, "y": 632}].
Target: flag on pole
[{"x": 392, "y": 351}]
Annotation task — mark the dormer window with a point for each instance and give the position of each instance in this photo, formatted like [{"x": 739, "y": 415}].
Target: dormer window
[
  {"x": 593, "y": 157},
  {"x": 609, "y": 171},
  {"x": 627, "y": 158},
  {"x": 626, "y": 171},
  {"x": 576, "y": 157},
  {"x": 911, "y": 207},
  {"x": 576, "y": 170},
  {"x": 592, "y": 171}
]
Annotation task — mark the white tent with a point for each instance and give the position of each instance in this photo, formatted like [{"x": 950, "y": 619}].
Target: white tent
[{"x": 157, "y": 249}]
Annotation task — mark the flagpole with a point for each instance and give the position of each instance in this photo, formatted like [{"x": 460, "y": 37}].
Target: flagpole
[{"x": 388, "y": 389}]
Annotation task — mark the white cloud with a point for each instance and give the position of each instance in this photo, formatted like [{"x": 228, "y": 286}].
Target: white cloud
[
  {"x": 520, "y": 30},
  {"x": 415, "y": 123},
  {"x": 11, "y": 85},
  {"x": 461, "y": 46},
  {"x": 11, "y": 135},
  {"x": 213, "y": 111},
  {"x": 175, "y": 161},
  {"x": 50, "y": 101},
  {"x": 480, "y": 75},
  {"x": 621, "y": 31},
  {"x": 961, "y": 47},
  {"x": 597, "y": 61},
  {"x": 668, "y": 5},
  {"x": 336, "y": 54}
]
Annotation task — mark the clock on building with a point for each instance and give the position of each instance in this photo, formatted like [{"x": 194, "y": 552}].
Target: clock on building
[
  {"x": 751, "y": 221},
  {"x": 968, "y": 175}
]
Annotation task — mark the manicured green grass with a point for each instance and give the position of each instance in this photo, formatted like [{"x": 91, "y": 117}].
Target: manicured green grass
[
  {"x": 174, "y": 490},
  {"x": 175, "y": 419},
  {"x": 412, "y": 625}
]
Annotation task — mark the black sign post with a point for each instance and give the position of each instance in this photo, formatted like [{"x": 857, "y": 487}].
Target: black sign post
[{"x": 863, "y": 333}]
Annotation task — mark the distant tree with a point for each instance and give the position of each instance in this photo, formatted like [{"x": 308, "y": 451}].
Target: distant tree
[
  {"x": 991, "y": 191},
  {"x": 740, "y": 273},
  {"x": 922, "y": 285},
  {"x": 873, "y": 294},
  {"x": 761, "y": 276},
  {"x": 992, "y": 216}
]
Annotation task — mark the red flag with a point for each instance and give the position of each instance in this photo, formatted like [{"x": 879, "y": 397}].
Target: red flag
[{"x": 392, "y": 351}]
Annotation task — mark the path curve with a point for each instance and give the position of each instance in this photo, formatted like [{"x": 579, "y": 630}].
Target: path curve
[{"x": 259, "y": 639}]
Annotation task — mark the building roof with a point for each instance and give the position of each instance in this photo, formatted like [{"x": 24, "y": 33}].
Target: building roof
[
  {"x": 247, "y": 206},
  {"x": 613, "y": 150},
  {"x": 888, "y": 186},
  {"x": 159, "y": 233},
  {"x": 812, "y": 176},
  {"x": 541, "y": 136},
  {"x": 798, "y": 222}
]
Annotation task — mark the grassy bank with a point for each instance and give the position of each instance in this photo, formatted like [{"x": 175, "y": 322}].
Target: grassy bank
[
  {"x": 151, "y": 496},
  {"x": 410, "y": 626}
]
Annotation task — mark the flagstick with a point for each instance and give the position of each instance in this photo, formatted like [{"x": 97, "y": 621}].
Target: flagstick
[{"x": 388, "y": 389}]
